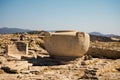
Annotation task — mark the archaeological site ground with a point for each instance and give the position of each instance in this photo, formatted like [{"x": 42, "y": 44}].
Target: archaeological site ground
[{"x": 24, "y": 56}]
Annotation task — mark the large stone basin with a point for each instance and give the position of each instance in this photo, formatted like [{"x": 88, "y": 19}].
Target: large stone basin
[{"x": 67, "y": 43}]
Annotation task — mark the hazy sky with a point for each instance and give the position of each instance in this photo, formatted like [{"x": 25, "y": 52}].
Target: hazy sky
[{"x": 82, "y": 15}]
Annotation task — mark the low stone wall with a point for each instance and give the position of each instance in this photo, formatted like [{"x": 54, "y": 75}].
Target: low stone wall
[
  {"x": 105, "y": 49},
  {"x": 98, "y": 52}
]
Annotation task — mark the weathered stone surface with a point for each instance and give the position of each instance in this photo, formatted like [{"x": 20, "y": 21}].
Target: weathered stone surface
[
  {"x": 105, "y": 49},
  {"x": 108, "y": 67},
  {"x": 17, "y": 49},
  {"x": 46, "y": 68},
  {"x": 99, "y": 52},
  {"x": 15, "y": 66},
  {"x": 65, "y": 43},
  {"x": 1, "y": 71},
  {"x": 101, "y": 68},
  {"x": 89, "y": 62},
  {"x": 9, "y": 77},
  {"x": 2, "y": 59}
]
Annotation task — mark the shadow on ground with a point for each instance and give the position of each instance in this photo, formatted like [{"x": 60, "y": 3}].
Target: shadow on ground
[{"x": 48, "y": 61}]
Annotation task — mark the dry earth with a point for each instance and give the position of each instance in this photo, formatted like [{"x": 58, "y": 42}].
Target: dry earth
[{"x": 97, "y": 64}]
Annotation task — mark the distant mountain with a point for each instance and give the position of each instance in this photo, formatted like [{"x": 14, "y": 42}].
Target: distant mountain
[
  {"x": 6, "y": 30},
  {"x": 96, "y": 33},
  {"x": 105, "y": 35}
]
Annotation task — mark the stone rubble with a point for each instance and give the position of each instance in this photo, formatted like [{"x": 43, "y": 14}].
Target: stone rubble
[{"x": 38, "y": 65}]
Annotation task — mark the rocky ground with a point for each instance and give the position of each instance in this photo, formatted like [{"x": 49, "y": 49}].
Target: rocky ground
[{"x": 38, "y": 65}]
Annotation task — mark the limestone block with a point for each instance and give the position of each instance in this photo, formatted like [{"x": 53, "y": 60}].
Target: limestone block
[
  {"x": 17, "y": 49},
  {"x": 67, "y": 43}
]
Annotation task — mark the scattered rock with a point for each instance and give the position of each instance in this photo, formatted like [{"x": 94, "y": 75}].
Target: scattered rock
[
  {"x": 15, "y": 66},
  {"x": 38, "y": 65},
  {"x": 2, "y": 59}
]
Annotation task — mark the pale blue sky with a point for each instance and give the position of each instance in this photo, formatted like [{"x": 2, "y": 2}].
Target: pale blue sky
[{"x": 83, "y": 15}]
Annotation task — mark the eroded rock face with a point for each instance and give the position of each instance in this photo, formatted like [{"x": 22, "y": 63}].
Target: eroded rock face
[
  {"x": 67, "y": 43},
  {"x": 105, "y": 49}
]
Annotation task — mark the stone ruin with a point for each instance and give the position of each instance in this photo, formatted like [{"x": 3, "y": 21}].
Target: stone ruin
[
  {"x": 17, "y": 49},
  {"x": 65, "y": 44}
]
